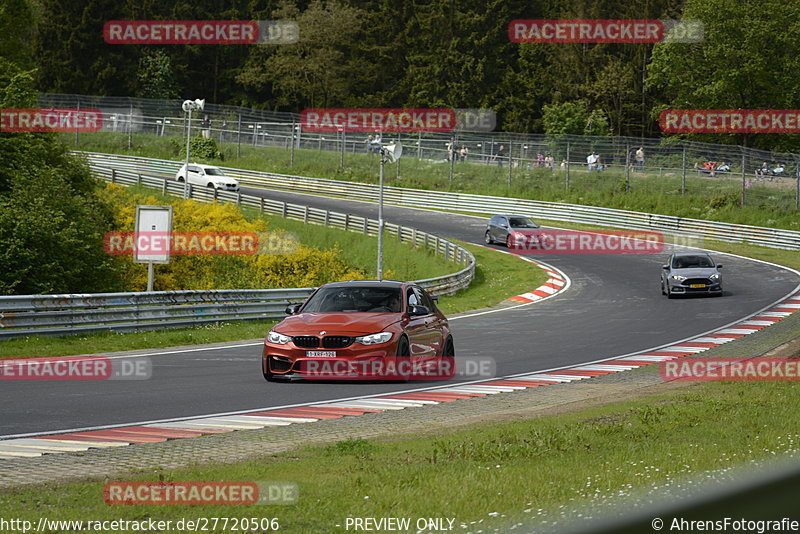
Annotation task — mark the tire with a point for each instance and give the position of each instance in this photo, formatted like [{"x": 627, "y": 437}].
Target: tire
[
  {"x": 487, "y": 238},
  {"x": 670, "y": 294},
  {"x": 508, "y": 242},
  {"x": 449, "y": 358},
  {"x": 662, "y": 288},
  {"x": 180, "y": 179},
  {"x": 210, "y": 185},
  {"x": 403, "y": 355},
  {"x": 268, "y": 376}
]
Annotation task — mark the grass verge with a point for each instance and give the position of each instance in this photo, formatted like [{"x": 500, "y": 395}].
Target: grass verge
[
  {"x": 766, "y": 204},
  {"x": 493, "y": 473},
  {"x": 497, "y": 277}
]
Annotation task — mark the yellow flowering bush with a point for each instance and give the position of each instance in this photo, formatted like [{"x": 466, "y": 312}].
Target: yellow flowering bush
[{"x": 301, "y": 266}]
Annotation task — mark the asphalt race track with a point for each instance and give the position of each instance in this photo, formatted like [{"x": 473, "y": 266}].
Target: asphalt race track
[{"x": 613, "y": 307}]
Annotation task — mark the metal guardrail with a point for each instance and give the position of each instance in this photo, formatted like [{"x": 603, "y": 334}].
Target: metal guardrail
[
  {"x": 418, "y": 198},
  {"x": 82, "y": 313}
]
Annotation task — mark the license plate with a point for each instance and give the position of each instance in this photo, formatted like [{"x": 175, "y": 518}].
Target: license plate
[
  {"x": 320, "y": 354},
  {"x": 697, "y": 285}
]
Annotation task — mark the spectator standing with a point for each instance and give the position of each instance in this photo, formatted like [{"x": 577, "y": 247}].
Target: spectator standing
[
  {"x": 639, "y": 157},
  {"x": 375, "y": 144},
  {"x": 591, "y": 161},
  {"x": 500, "y": 155},
  {"x": 539, "y": 160},
  {"x": 451, "y": 151},
  {"x": 205, "y": 124},
  {"x": 464, "y": 152}
]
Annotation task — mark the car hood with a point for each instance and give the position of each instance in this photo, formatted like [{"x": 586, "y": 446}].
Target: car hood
[
  {"x": 526, "y": 231},
  {"x": 704, "y": 272},
  {"x": 345, "y": 324}
]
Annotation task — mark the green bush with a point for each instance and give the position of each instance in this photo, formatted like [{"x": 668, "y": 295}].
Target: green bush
[{"x": 201, "y": 148}]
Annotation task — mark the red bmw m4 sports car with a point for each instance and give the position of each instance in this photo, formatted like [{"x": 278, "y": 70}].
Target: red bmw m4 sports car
[{"x": 362, "y": 330}]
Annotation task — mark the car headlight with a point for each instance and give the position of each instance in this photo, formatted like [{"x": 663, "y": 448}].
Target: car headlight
[
  {"x": 714, "y": 276},
  {"x": 279, "y": 339},
  {"x": 374, "y": 339},
  {"x": 678, "y": 277}
]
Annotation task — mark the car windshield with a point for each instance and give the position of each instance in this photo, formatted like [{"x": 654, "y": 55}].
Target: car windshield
[
  {"x": 692, "y": 262},
  {"x": 521, "y": 222},
  {"x": 213, "y": 171},
  {"x": 355, "y": 300}
]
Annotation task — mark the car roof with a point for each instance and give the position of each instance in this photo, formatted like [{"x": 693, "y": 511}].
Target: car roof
[
  {"x": 512, "y": 215},
  {"x": 679, "y": 254},
  {"x": 203, "y": 165},
  {"x": 368, "y": 283}
]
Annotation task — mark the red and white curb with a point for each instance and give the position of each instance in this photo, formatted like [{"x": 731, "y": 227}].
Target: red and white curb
[
  {"x": 558, "y": 281},
  {"x": 106, "y": 437},
  {"x": 554, "y": 284}
]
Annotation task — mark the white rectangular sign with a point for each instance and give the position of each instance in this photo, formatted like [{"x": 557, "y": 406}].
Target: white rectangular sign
[{"x": 153, "y": 223}]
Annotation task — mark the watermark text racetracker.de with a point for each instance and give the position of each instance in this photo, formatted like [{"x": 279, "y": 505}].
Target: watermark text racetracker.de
[
  {"x": 605, "y": 31},
  {"x": 579, "y": 242},
  {"x": 224, "y": 32},
  {"x": 199, "y": 243},
  {"x": 730, "y": 121},
  {"x": 51, "y": 120},
  {"x": 731, "y": 369},
  {"x": 320, "y": 368},
  {"x": 77, "y": 368},
  {"x": 200, "y": 493},
  {"x": 377, "y": 120}
]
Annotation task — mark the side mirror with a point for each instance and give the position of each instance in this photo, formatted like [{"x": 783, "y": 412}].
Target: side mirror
[
  {"x": 719, "y": 266},
  {"x": 434, "y": 298},
  {"x": 292, "y": 309},
  {"x": 416, "y": 311},
  {"x": 665, "y": 267}
]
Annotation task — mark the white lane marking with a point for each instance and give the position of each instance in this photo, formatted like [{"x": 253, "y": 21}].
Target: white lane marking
[
  {"x": 44, "y": 444},
  {"x": 648, "y": 358},
  {"x": 419, "y": 401},
  {"x": 556, "y": 376},
  {"x": 19, "y": 453},
  {"x": 91, "y": 444},
  {"x": 684, "y": 348},
  {"x": 717, "y": 340},
  {"x": 395, "y": 402},
  {"x": 264, "y": 418},
  {"x": 613, "y": 368}
]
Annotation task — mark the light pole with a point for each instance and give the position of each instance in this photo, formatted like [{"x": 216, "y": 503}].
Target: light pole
[
  {"x": 189, "y": 106},
  {"x": 388, "y": 153}
]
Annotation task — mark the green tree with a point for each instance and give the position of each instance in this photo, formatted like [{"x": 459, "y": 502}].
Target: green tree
[
  {"x": 317, "y": 71},
  {"x": 156, "y": 76},
  {"x": 574, "y": 118},
  {"x": 747, "y": 60},
  {"x": 51, "y": 219}
]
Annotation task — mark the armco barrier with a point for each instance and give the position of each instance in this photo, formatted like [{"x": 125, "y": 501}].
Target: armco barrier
[
  {"x": 418, "y": 198},
  {"x": 81, "y": 313}
]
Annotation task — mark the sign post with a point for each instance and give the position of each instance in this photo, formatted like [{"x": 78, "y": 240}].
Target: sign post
[{"x": 152, "y": 238}]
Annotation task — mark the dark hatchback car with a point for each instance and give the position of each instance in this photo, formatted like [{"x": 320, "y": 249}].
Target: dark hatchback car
[
  {"x": 380, "y": 330},
  {"x": 503, "y": 229},
  {"x": 689, "y": 273}
]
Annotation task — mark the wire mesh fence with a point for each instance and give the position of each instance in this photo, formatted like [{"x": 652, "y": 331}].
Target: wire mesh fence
[{"x": 466, "y": 160}]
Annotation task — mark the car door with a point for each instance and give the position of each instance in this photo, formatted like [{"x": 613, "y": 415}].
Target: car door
[
  {"x": 193, "y": 175},
  {"x": 500, "y": 230},
  {"x": 417, "y": 327},
  {"x": 435, "y": 327},
  {"x": 427, "y": 334}
]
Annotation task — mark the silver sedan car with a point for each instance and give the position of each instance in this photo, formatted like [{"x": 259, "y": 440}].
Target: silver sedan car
[{"x": 691, "y": 273}]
